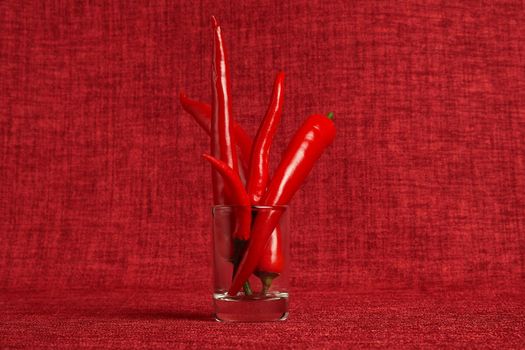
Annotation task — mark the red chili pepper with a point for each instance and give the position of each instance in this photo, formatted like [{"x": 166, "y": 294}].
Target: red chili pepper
[
  {"x": 239, "y": 196},
  {"x": 258, "y": 176},
  {"x": 222, "y": 138},
  {"x": 271, "y": 263},
  {"x": 307, "y": 145},
  {"x": 201, "y": 112}
]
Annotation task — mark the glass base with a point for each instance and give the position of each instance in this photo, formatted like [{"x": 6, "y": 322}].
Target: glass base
[{"x": 271, "y": 307}]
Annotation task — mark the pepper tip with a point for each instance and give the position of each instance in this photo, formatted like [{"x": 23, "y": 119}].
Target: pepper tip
[{"x": 214, "y": 23}]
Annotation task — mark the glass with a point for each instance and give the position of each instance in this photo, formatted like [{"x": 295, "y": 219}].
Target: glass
[{"x": 265, "y": 298}]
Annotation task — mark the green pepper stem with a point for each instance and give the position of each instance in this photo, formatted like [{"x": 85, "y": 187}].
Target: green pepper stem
[
  {"x": 266, "y": 280},
  {"x": 267, "y": 283},
  {"x": 247, "y": 288},
  {"x": 330, "y": 115}
]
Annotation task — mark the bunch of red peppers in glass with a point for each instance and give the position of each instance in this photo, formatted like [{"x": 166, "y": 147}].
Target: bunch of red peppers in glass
[{"x": 240, "y": 172}]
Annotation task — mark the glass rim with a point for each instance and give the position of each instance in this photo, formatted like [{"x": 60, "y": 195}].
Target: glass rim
[{"x": 257, "y": 206}]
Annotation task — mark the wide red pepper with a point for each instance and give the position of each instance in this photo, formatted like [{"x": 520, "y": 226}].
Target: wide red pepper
[
  {"x": 271, "y": 263},
  {"x": 222, "y": 137},
  {"x": 307, "y": 145}
]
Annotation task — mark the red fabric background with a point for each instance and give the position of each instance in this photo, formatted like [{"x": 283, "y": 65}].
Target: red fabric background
[{"x": 102, "y": 187}]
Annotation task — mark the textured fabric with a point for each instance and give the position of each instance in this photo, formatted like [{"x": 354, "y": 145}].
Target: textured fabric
[
  {"x": 102, "y": 186},
  {"x": 181, "y": 320}
]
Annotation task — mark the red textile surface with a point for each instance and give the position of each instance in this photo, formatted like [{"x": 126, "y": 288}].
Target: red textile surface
[
  {"x": 167, "y": 319},
  {"x": 102, "y": 186}
]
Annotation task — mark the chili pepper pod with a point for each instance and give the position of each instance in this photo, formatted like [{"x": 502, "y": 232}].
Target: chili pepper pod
[
  {"x": 307, "y": 145},
  {"x": 239, "y": 197},
  {"x": 243, "y": 211},
  {"x": 222, "y": 138},
  {"x": 271, "y": 263},
  {"x": 201, "y": 113},
  {"x": 258, "y": 175}
]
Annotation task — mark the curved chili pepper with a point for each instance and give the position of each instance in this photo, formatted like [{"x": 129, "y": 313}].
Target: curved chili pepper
[
  {"x": 240, "y": 198},
  {"x": 201, "y": 112},
  {"x": 307, "y": 145},
  {"x": 222, "y": 138},
  {"x": 258, "y": 176}
]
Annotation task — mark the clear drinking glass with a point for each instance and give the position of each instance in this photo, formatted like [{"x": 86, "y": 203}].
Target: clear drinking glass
[{"x": 266, "y": 297}]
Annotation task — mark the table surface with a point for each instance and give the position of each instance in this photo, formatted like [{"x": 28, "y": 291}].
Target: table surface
[{"x": 161, "y": 319}]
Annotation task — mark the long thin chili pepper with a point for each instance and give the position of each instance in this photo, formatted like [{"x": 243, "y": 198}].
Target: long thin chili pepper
[
  {"x": 201, "y": 112},
  {"x": 222, "y": 138},
  {"x": 241, "y": 199},
  {"x": 307, "y": 145},
  {"x": 258, "y": 175},
  {"x": 271, "y": 263}
]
